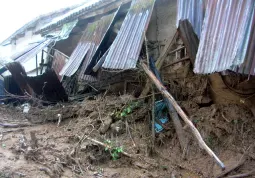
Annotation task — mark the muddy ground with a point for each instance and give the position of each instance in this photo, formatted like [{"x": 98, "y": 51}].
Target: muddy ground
[{"x": 92, "y": 135}]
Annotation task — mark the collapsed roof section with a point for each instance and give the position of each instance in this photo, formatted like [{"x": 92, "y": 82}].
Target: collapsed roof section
[{"x": 87, "y": 46}]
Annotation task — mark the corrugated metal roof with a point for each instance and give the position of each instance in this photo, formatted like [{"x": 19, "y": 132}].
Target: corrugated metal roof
[
  {"x": 126, "y": 48},
  {"x": 248, "y": 67},
  {"x": 100, "y": 29},
  {"x": 226, "y": 39},
  {"x": 194, "y": 11},
  {"x": 79, "y": 11},
  {"x": 74, "y": 12},
  {"x": 31, "y": 51},
  {"x": 41, "y": 18}
]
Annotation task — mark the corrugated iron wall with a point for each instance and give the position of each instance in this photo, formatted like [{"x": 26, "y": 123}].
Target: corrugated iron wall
[{"x": 227, "y": 39}]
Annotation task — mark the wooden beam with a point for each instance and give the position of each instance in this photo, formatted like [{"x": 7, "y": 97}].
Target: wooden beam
[
  {"x": 185, "y": 118},
  {"x": 175, "y": 62}
]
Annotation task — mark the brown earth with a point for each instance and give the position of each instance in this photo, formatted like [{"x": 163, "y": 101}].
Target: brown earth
[{"x": 46, "y": 150}]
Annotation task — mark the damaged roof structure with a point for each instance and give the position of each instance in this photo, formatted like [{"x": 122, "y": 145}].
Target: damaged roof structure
[
  {"x": 111, "y": 34},
  {"x": 105, "y": 28}
]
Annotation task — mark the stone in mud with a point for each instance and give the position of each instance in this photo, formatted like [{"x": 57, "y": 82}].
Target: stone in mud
[{"x": 105, "y": 125}]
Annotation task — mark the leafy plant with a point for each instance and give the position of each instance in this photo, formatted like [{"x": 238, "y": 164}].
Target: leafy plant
[{"x": 114, "y": 151}]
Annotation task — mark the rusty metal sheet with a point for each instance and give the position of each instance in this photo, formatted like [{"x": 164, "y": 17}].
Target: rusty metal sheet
[
  {"x": 227, "y": 38},
  {"x": 125, "y": 50},
  {"x": 59, "y": 62},
  {"x": 194, "y": 11}
]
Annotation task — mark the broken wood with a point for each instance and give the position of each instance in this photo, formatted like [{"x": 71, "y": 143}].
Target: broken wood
[
  {"x": 175, "y": 62},
  {"x": 185, "y": 118},
  {"x": 178, "y": 49},
  {"x": 108, "y": 146},
  {"x": 153, "y": 120},
  {"x": 227, "y": 171}
]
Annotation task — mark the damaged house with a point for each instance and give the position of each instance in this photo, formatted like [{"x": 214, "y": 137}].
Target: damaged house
[{"x": 101, "y": 63}]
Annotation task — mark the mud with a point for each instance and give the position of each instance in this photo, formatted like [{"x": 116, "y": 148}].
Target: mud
[{"x": 46, "y": 150}]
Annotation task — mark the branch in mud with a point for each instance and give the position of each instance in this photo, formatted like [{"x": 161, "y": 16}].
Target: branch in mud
[
  {"x": 109, "y": 147},
  {"x": 7, "y": 125}
]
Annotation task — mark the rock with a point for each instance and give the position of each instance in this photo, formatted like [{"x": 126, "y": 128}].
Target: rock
[
  {"x": 106, "y": 125},
  {"x": 118, "y": 127}
]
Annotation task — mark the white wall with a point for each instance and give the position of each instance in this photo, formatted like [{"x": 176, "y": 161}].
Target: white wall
[
  {"x": 163, "y": 21},
  {"x": 20, "y": 43}
]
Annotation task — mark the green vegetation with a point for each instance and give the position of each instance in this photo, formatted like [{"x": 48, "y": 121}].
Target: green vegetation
[{"x": 114, "y": 151}]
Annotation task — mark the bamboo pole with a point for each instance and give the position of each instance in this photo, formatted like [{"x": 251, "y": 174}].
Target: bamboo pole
[{"x": 185, "y": 118}]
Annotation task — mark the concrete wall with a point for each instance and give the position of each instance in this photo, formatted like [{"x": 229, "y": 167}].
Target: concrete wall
[{"x": 163, "y": 21}]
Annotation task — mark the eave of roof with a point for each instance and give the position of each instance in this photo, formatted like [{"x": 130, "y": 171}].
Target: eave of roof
[
  {"x": 99, "y": 8},
  {"x": 35, "y": 20}
]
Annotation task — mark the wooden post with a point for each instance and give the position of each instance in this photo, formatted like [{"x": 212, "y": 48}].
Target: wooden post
[
  {"x": 36, "y": 61},
  {"x": 185, "y": 118}
]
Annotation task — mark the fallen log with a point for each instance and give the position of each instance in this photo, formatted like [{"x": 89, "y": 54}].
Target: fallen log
[
  {"x": 185, "y": 118},
  {"x": 227, "y": 171}
]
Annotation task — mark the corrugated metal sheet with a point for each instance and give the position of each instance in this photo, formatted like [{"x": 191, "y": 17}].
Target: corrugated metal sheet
[
  {"x": 31, "y": 51},
  {"x": 76, "y": 58},
  {"x": 227, "y": 39},
  {"x": 194, "y": 11},
  {"x": 99, "y": 29},
  {"x": 248, "y": 67},
  {"x": 125, "y": 50},
  {"x": 58, "y": 63}
]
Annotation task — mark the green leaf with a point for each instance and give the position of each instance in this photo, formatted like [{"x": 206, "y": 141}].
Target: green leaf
[
  {"x": 123, "y": 114},
  {"x": 129, "y": 110}
]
